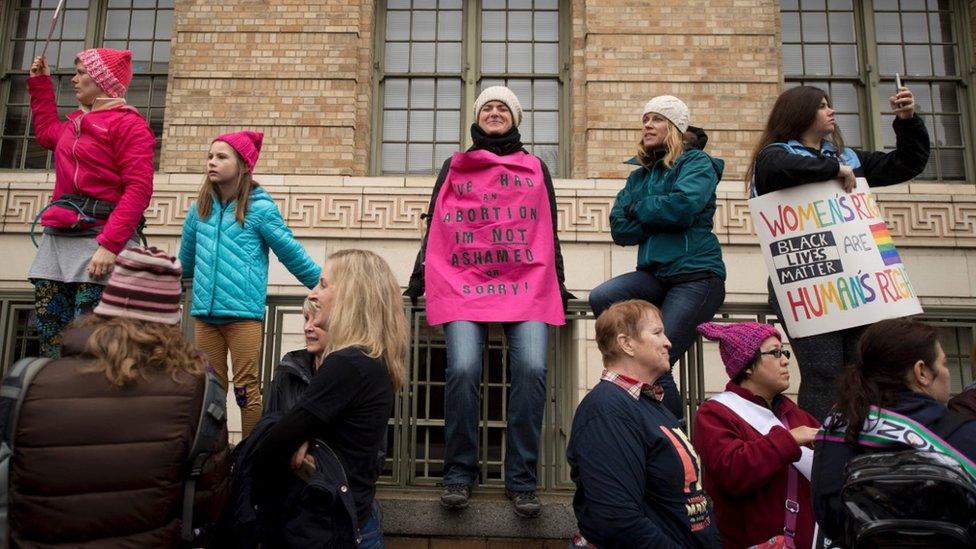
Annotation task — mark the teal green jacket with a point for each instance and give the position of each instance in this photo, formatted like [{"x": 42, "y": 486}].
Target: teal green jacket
[{"x": 669, "y": 214}]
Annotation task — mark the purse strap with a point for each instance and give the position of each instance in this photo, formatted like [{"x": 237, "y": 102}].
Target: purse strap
[{"x": 792, "y": 505}]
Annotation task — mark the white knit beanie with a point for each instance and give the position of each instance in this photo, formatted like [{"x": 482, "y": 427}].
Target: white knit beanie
[
  {"x": 503, "y": 94},
  {"x": 670, "y": 107}
]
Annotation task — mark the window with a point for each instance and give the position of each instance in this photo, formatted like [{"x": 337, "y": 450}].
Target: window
[
  {"x": 142, "y": 26},
  {"x": 437, "y": 56},
  {"x": 853, "y": 48}
]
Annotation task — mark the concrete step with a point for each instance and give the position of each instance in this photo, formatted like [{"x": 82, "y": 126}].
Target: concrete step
[{"x": 418, "y": 512}]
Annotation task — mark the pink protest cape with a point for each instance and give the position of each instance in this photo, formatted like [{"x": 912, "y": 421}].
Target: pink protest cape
[{"x": 490, "y": 250}]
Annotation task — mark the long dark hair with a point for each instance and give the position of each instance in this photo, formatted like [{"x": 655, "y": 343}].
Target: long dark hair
[
  {"x": 793, "y": 113},
  {"x": 887, "y": 352},
  {"x": 245, "y": 184}
]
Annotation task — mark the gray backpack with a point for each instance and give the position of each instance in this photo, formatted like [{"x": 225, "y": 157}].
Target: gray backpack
[{"x": 13, "y": 391}]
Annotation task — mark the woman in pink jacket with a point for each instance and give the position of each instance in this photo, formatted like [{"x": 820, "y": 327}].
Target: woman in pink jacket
[{"x": 103, "y": 164}]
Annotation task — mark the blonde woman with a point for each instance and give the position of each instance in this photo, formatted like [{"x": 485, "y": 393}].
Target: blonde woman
[
  {"x": 667, "y": 207},
  {"x": 348, "y": 404}
]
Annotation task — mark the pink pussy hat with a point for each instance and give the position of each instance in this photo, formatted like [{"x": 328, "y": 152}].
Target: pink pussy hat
[
  {"x": 738, "y": 342},
  {"x": 246, "y": 143}
]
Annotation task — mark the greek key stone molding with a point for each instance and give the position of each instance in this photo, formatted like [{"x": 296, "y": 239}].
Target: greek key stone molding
[{"x": 390, "y": 208}]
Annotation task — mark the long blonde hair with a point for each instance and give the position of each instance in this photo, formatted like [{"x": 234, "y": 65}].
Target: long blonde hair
[
  {"x": 126, "y": 349},
  {"x": 245, "y": 184},
  {"x": 367, "y": 310},
  {"x": 674, "y": 144}
]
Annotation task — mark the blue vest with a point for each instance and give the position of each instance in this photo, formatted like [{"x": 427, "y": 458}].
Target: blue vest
[{"x": 827, "y": 149}]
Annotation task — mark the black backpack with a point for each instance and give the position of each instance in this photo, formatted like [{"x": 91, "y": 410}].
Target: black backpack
[
  {"x": 910, "y": 498},
  {"x": 13, "y": 391}
]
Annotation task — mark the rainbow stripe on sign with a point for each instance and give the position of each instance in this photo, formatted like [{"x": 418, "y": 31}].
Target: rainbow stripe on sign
[{"x": 886, "y": 246}]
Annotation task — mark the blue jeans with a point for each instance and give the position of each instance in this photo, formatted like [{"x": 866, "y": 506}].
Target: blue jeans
[
  {"x": 371, "y": 533},
  {"x": 683, "y": 307},
  {"x": 527, "y": 349}
]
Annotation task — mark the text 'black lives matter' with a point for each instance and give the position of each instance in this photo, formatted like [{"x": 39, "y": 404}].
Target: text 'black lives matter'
[{"x": 805, "y": 257}]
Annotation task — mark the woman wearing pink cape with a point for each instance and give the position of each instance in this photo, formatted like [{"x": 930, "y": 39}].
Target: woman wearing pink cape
[{"x": 491, "y": 254}]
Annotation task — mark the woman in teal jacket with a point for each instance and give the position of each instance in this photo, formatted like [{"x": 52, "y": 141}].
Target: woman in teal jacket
[
  {"x": 226, "y": 238},
  {"x": 666, "y": 208}
]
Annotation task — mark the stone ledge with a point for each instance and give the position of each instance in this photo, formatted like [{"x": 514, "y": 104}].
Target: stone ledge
[{"x": 490, "y": 514}]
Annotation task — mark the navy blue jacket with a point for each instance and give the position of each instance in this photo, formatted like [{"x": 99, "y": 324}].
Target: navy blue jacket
[
  {"x": 830, "y": 458},
  {"x": 638, "y": 479}
]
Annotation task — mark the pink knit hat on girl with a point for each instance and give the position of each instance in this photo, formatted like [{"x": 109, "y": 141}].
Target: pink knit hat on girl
[
  {"x": 738, "y": 342},
  {"x": 110, "y": 69},
  {"x": 246, "y": 143}
]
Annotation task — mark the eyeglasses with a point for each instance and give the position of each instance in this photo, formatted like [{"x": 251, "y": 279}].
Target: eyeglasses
[{"x": 776, "y": 353}]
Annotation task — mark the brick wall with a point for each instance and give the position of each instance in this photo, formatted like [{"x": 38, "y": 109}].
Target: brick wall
[
  {"x": 298, "y": 70},
  {"x": 719, "y": 56}
]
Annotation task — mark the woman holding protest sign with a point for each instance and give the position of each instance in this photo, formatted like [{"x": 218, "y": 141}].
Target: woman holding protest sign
[
  {"x": 802, "y": 144},
  {"x": 667, "y": 208},
  {"x": 103, "y": 165},
  {"x": 491, "y": 254}
]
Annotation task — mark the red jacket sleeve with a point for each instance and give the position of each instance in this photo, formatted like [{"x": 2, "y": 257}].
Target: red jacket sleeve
[
  {"x": 738, "y": 466},
  {"x": 47, "y": 126},
  {"x": 133, "y": 143}
]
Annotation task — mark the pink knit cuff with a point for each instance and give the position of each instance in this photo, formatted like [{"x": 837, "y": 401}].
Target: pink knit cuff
[{"x": 100, "y": 73}]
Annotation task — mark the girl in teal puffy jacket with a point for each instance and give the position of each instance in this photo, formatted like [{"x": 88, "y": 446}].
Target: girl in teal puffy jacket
[{"x": 224, "y": 249}]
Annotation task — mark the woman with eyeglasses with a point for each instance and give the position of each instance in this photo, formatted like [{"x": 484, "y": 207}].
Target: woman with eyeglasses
[{"x": 754, "y": 442}]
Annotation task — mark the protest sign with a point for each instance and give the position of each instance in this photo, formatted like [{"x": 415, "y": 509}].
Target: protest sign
[
  {"x": 831, "y": 258},
  {"x": 491, "y": 250}
]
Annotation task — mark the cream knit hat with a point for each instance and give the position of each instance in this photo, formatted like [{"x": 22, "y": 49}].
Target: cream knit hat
[
  {"x": 669, "y": 107},
  {"x": 503, "y": 94}
]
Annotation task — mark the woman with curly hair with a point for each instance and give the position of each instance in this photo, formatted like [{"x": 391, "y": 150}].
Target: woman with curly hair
[{"x": 104, "y": 432}]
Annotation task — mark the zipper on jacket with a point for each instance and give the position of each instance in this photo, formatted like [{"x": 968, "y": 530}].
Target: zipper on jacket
[
  {"x": 213, "y": 289},
  {"x": 74, "y": 155}
]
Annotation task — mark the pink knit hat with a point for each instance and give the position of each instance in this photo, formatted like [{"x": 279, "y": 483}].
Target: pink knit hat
[
  {"x": 145, "y": 284},
  {"x": 738, "y": 342},
  {"x": 110, "y": 69},
  {"x": 246, "y": 143}
]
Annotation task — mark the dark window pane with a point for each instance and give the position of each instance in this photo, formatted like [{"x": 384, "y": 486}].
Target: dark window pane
[
  {"x": 36, "y": 158},
  {"x": 448, "y": 94},
  {"x": 422, "y": 57},
  {"x": 138, "y": 94},
  {"x": 888, "y": 27},
  {"x": 449, "y": 25},
  {"x": 16, "y": 122},
  {"x": 791, "y": 27},
  {"x": 420, "y": 158},
  {"x": 842, "y": 27},
  {"x": 890, "y": 60},
  {"x": 519, "y": 57},
  {"x": 940, "y": 27},
  {"x": 397, "y": 25},
  {"x": 164, "y": 24},
  {"x": 421, "y": 126},
  {"x": 546, "y": 58},
  {"x": 449, "y": 57},
  {"x": 792, "y": 59},
  {"x": 816, "y": 59},
  {"x": 422, "y": 93},
  {"x": 424, "y": 25},
  {"x": 75, "y": 24},
  {"x": 546, "y": 26},
  {"x": 158, "y": 92},
  {"x": 69, "y": 51},
  {"x": 492, "y": 57},
  {"x": 918, "y": 60},
  {"x": 952, "y": 163},
  {"x": 844, "y": 59},
  {"x": 143, "y": 25},
  {"x": 395, "y": 93},
  {"x": 117, "y": 24},
  {"x": 944, "y": 61},
  {"x": 948, "y": 131},
  {"x": 394, "y": 125},
  {"x": 915, "y": 27},
  {"x": 814, "y": 27},
  {"x": 945, "y": 98},
  {"x": 397, "y": 56},
  {"x": 394, "y": 157}
]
